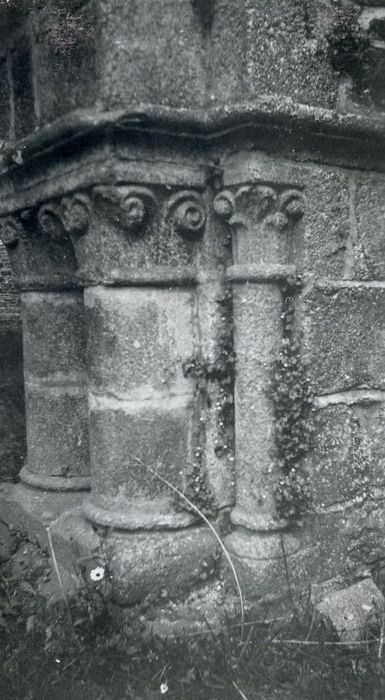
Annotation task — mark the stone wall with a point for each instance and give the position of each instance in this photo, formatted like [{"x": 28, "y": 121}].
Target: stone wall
[
  {"x": 195, "y": 219},
  {"x": 12, "y": 430},
  {"x": 56, "y": 57}
]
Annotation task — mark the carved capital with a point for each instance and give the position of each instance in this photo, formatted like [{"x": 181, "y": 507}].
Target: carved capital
[
  {"x": 128, "y": 206},
  {"x": 50, "y": 218},
  {"x": 187, "y": 212},
  {"x": 76, "y": 214},
  {"x": 69, "y": 216},
  {"x": 260, "y": 204}
]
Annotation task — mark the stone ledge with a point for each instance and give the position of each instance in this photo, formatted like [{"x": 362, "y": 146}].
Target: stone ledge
[{"x": 205, "y": 124}]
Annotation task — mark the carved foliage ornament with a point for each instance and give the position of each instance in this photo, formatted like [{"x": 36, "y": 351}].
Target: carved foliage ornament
[
  {"x": 131, "y": 207},
  {"x": 261, "y": 204},
  {"x": 128, "y": 206},
  {"x": 187, "y": 211},
  {"x": 69, "y": 216}
]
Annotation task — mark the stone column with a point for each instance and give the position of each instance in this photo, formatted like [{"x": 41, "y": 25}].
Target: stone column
[
  {"x": 261, "y": 215},
  {"x": 141, "y": 405},
  {"x": 138, "y": 262},
  {"x": 44, "y": 267}
]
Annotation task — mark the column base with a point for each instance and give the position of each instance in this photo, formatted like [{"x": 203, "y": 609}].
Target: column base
[
  {"x": 159, "y": 576},
  {"x": 255, "y": 521},
  {"x": 121, "y": 514},
  {"x": 55, "y": 483},
  {"x": 160, "y": 565},
  {"x": 263, "y": 562}
]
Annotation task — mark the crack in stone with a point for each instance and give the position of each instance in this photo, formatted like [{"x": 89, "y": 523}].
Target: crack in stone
[{"x": 350, "y": 397}]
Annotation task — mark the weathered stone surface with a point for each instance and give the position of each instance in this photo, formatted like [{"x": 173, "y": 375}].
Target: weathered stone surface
[
  {"x": 125, "y": 438},
  {"x": 31, "y": 510},
  {"x": 138, "y": 340},
  {"x": 135, "y": 229},
  {"x": 139, "y": 571},
  {"x": 65, "y": 56},
  {"x": 214, "y": 306},
  {"x": 317, "y": 242},
  {"x": 11, "y": 352},
  {"x": 7, "y": 542},
  {"x": 314, "y": 554},
  {"x": 255, "y": 307},
  {"x": 56, "y": 391},
  {"x": 260, "y": 566},
  {"x": 319, "y": 591},
  {"x": 326, "y": 224},
  {"x": 12, "y": 404},
  {"x": 168, "y": 70},
  {"x": 23, "y": 97},
  {"x": 53, "y": 334},
  {"x": 369, "y": 245},
  {"x": 133, "y": 201},
  {"x": 78, "y": 550},
  {"x": 203, "y": 605},
  {"x": 358, "y": 551},
  {"x": 344, "y": 337},
  {"x": 142, "y": 406},
  {"x": 9, "y": 298},
  {"x": 348, "y": 458},
  {"x": 264, "y": 47},
  {"x": 353, "y": 612},
  {"x": 41, "y": 257},
  {"x": 57, "y": 432},
  {"x": 5, "y": 103}
]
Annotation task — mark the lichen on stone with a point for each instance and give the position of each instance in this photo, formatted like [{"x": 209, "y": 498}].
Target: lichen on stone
[
  {"x": 291, "y": 398},
  {"x": 206, "y": 373}
]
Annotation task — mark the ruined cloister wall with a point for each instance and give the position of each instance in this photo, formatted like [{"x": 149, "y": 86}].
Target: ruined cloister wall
[{"x": 192, "y": 199}]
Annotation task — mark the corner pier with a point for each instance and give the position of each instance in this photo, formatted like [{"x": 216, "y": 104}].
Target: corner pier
[{"x": 202, "y": 284}]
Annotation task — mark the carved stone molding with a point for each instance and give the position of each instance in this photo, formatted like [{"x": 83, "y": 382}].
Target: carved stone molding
[
  {"x": 69, "y": 216},
  {"x": 76, "y": 214},
  {"x": 40, "y": 250},
  {"x": 133, "y": 227},
  {"x": 187, "y": 211},
  {"x": 130, "y": 207},
  {"x": 261, "y": 204}
]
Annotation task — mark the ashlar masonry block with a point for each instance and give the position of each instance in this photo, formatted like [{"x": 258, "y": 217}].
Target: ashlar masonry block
[
  {"x": 347, "y": 460},
  {"x": 344, "y": 336},
  {"x": 368, "y": 242}
]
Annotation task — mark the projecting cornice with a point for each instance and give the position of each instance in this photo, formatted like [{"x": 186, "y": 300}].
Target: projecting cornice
[{"x": 206, "y": 124}]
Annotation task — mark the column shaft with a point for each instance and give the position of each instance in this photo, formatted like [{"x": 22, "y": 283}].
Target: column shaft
[
  {"x": 56, "y": 390},
  {"x": 141, "y": 406}
]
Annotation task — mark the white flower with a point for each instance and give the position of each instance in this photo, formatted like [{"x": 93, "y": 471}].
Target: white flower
[
  {"x": 97, "y": 574},
  {"x": 163, "y": 688}
]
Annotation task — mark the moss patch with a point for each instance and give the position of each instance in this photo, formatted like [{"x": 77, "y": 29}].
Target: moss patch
[{"x": 290, "y": 394}]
